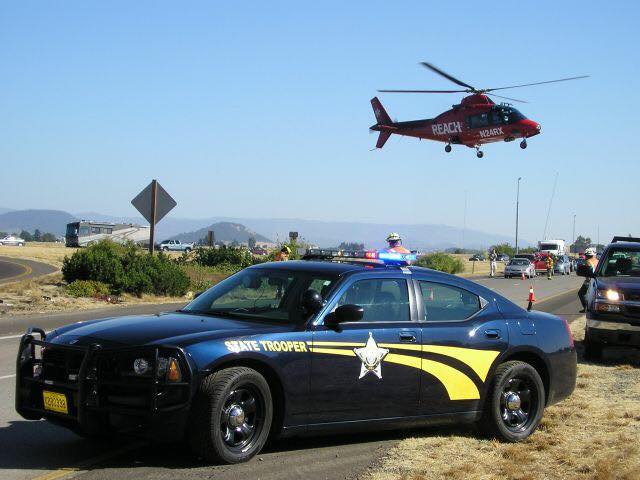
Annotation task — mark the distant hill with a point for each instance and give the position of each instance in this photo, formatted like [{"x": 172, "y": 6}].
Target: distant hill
[
  {"x": 224, "y": 232},
  {"x": 50, "y": 221},
  {"x": 5, "y": 210}
]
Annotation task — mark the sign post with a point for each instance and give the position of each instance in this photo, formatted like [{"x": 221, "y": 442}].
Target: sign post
[{"x": 153, "y": 203}]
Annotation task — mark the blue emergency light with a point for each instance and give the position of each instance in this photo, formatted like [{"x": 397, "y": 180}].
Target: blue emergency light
[{"x": 381, "y": 257}]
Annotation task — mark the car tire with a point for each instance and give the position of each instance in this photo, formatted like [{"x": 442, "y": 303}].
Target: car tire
[
  {"x": 187, "y": 250},
  {"x": 509, "y": 414},
  {"x": 592, "y": 350},
  {"x": 231, "y": 416},
  {"x": 165, "y": 249}
]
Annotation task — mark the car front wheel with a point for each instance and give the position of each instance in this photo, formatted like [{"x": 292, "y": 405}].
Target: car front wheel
[
  {"x": 515, "y": 403},
  {"x": 231, "y": 416}
]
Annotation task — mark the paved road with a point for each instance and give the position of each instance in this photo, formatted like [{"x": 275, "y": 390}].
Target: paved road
[
  {"x": 13, "y": 269},
  {"x": 40, "y": 450}
]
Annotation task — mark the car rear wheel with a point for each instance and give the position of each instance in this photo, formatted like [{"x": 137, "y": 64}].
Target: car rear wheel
[
  {"x": 515, "y": 402},
  {"x": 231, "y": 416}
]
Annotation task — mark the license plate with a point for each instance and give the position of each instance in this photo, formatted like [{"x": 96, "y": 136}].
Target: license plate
[{"x": 55, "y": 402}]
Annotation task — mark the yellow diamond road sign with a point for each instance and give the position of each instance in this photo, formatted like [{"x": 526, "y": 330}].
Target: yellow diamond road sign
[{"x": 144, "y": 202}]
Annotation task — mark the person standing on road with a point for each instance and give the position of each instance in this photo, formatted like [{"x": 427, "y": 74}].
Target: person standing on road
[
  {"x": 395, "y": 244},
  {"x": 493, "y": 257},
  {"x": 592, "y": 261},
  {"x": 549, "y": 266},
  {"x": 283, "y": 254}
]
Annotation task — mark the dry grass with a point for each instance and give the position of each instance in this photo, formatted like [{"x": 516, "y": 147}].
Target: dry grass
[
  {"x": 47, "y": 294},
  {"x": 51, "y": 253},
  {"x": 478, "y": 268},
  {"x": 594, "y": 434}
]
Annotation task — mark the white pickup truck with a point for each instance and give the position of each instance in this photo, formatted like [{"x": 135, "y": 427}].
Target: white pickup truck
[{"x": 175, "y": 246}]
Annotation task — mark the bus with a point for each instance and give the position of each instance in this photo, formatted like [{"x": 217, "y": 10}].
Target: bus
[{"x": 86, "y": 232}]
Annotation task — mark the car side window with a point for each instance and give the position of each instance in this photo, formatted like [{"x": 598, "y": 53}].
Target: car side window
[
  {"x": 383, "y": 300},
  {"x": 447, "y": 303}
]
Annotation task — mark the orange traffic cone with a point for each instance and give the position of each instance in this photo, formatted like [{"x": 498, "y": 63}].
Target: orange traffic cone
[
  {"x": 522, "y": 275},
  {"x": 532, "y": 298}
]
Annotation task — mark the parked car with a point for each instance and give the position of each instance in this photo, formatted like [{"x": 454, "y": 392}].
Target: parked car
[
  {"x": 12, "y": 241},
  {"x": 282, "y": 349},
  {"x": 503, "y": 257},
  {"x": 562, "y": 265},
  {"x": 259, "y": 251},
  {"x": 477, "y": 258},
  {"x": 540, "y": 262},
  {"x": 613, "y": 297},
  {"x": 518, "y": 266},
  {"x": 175, "y": 246}
]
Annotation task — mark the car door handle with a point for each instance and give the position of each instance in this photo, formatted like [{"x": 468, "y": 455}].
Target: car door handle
[
  {"x": 492, "y": 333},
  {"x": 409, "y": 337}
]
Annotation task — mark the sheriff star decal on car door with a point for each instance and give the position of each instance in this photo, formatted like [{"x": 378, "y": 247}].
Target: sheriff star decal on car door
[{"x": 371, "y": 356}]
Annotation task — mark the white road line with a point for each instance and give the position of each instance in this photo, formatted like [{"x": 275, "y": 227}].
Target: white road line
[
  {"x": 10, "y": 337},
  {"x": 7, "y": 377}
]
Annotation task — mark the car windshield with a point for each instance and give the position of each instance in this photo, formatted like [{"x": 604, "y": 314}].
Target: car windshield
[
  {"x": 620, "y": 263},
  {"x": 519, "y": 262},
  {"x": 262, "y": 294}
]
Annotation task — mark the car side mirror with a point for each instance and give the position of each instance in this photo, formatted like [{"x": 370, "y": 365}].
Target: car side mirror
[
  {"x": 312, "y": 301},
  {"x": 585, "y": 271},
  {"x": 344, "y": 313}
]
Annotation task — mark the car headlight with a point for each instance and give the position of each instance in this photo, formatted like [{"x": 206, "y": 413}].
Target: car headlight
[{"x": 609, "y": 294}]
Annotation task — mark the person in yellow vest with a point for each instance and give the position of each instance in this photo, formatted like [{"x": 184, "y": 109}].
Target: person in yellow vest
[
  {"x": 549, "y": 266},
  {"x": 283, "y": 254}
]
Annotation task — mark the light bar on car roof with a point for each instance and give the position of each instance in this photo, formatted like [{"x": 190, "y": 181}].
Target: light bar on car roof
[{"x": 369, "y": 256}]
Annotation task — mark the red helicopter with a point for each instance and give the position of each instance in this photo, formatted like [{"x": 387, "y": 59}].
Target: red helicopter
[{"x": 475, "y": 121}]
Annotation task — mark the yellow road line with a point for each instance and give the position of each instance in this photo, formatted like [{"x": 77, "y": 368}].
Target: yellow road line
[
  {"x": 27, "y": 271},
  {"x": 67, "y": 471}
]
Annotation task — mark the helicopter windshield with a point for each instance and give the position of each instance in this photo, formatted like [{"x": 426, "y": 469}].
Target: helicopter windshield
[{"x": 506, "y": 115}]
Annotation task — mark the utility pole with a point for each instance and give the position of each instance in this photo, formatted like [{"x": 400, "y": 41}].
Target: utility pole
[
  {"x": 573, "y": 241},
  {"x": 464, "y": 220},
  {"x": 517, "y": 211}
]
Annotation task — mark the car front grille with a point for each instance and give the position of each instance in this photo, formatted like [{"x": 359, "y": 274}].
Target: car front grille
[{"x": 61, "y": 365}]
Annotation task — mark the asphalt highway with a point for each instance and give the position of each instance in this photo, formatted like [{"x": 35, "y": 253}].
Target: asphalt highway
[
  {"x": 14, "y": 269},
  {"x": 39, "y": 450}
]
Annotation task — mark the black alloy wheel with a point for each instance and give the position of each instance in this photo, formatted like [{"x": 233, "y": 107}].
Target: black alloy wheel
[
  {"x": 515, "y": 402},
  {"x": 231, "y": 416}
]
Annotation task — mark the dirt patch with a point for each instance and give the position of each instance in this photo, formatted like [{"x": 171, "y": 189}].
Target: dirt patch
[
  {"x": 51, "y": 253},
  {"x": 591, "y": 435},
  {"x": 47, "y": 294}
]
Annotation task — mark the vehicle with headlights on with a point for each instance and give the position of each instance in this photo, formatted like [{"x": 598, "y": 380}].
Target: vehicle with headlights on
[
  {"x": 613, "y": 297},
  {"x": 336, "y": 342}
]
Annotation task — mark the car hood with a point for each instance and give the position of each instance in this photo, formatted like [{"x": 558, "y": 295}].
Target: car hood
[
  {"x": 179, "y": 329},
  {"x": 619, "y": 283}
]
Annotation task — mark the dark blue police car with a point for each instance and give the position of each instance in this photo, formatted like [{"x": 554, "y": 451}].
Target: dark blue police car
[{"x": 335, "y": 342}]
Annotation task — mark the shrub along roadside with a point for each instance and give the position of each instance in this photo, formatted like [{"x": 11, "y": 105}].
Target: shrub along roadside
[
  {"x": 124, "y": 268},
  {"x": 87, "y": 288},
  {"x": 441, "y": 262}
]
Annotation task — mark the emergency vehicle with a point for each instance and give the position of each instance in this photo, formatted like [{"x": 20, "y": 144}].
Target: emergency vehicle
[{"x": 336, "y": 342}]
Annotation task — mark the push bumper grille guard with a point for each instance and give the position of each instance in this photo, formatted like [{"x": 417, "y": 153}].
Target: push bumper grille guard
[{"x": 87, "y": 383}]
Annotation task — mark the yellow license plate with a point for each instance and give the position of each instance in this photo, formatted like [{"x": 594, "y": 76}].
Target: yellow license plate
[{"x": 56, "y": 402}]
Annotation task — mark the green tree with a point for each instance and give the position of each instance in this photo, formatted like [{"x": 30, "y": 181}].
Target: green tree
[
  {"x": 48, "y": 237},
  {"x": 251, "y": 242},
  {"x": 581, "y": 244},
  {"x": 26, "y": 236},
  {"x": 351, "y": 246},
  {"x": 37, "y": 235},
  {"x": 442, "y": 262},
  {"x": 504, "y": 248}
]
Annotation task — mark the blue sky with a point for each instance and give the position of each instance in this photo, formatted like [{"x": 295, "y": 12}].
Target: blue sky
[{"x": 261, "y": 109}]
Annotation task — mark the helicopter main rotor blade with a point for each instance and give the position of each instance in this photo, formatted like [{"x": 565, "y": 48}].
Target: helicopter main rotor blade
[
  {"x": 536, "y": 83},
  {"x": 447, "y": 76},
  {"x": 507, "y": 98},
  {"x": 423, "y": 91}
]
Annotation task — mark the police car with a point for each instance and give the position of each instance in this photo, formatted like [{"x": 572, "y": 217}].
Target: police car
[{"x": 336, "y": 342}]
